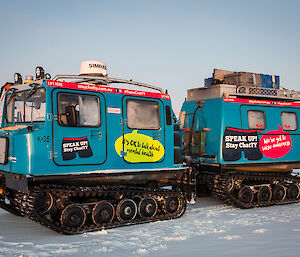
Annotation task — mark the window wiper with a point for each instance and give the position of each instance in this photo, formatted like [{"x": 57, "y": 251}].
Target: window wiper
[{"x": 32, "y": 90}]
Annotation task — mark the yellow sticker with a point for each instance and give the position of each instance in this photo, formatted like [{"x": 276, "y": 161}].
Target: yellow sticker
[{"x": 139, "y": 148}]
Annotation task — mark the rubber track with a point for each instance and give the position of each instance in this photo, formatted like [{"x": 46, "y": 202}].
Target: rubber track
[
  {"x": 15, "y": 205},
  {"x": 29, "y": 211},
  {"x": 220, "y": 191}
]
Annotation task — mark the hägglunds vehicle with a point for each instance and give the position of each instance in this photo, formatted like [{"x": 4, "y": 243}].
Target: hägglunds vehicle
[
  {"x": 83, "y": 152},
  {"x": 241, "y": 134}
]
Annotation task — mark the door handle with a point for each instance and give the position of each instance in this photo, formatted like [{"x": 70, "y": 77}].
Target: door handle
[{"x": 96, "y": 134}]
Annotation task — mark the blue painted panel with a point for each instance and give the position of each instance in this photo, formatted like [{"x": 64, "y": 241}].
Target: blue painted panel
[
  {"x": 79, "y": 145},
  {"x": 273, "y": 142}
]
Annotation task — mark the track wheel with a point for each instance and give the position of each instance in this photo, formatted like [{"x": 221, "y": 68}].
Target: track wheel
[
  {"x": 103, "y": 212},
  {"x": 246, "y": 194},
  {"x": 147, "y": 207},
  {"x": 126, "y": 210},
  {"x": 294, "y": 191},
  {"x": 264, "y": 194},
  {"x": 73, "y": 216},
  {"x": 230, "y": 184},
  {"x": 172, "y": 204},
  {"x": 43, "y": 203},
  {"x": 279, "y": 192}
]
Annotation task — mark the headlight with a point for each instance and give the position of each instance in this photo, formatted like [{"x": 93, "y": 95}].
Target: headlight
[{"x": 3, "y": 150}]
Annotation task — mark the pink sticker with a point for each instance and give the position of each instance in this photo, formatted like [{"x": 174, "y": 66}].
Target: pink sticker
[{"x": 275, "y": 144}]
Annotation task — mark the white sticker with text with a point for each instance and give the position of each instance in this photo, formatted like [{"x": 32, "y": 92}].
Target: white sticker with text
[{"x": 113, "y": 110}]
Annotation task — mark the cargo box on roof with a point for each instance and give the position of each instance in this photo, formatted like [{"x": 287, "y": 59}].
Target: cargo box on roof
[{"x": 245, "y": 79}]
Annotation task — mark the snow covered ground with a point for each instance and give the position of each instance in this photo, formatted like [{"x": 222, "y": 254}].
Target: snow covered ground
[{"x": 208, "y": 228}]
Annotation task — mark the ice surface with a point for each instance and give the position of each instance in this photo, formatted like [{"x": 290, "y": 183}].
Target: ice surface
[{"x": 209, "y": 228}]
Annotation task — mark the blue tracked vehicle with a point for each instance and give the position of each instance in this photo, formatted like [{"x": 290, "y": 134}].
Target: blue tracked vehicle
[
  {"x": 80, "y": 152},
  {"x": 240, "y": 133}
]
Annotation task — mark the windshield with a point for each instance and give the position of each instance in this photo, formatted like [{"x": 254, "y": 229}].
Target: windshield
[{"x": 26, "y": 107}]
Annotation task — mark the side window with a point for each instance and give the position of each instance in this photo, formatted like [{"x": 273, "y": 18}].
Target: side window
[
  {"x": 142, "y": 114},
  {"x": 87, "y": 109},
  {"x": 289, "y": 120},
  {"x": 256, "y": 119}
]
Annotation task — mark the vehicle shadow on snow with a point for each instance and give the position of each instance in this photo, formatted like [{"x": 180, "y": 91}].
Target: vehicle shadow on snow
[
  {"x": 23, "y": 225},
  {"x": 206, "y": 201}
]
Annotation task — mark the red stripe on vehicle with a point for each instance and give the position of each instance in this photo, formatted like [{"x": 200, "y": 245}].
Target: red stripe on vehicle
[
  {"x": 112, "y": 90},
  {"x": 241, "y": 130},
  {"x": 81, "y": 138},
  {"x": 259, "y": 102}
]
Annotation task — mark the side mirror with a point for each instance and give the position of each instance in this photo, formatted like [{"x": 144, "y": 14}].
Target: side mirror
[{"x": 71, "y": 116}]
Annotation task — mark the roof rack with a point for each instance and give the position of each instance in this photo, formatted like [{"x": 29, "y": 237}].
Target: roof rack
[
  {"x": 268, "y": 92},
  {"x": 224, "y": 90},
  {"x": 104, "y": 80}
]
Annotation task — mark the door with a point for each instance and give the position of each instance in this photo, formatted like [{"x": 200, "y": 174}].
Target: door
[
  {"x": 143, "y": 139},
  {"x": 82, "y": 142}
]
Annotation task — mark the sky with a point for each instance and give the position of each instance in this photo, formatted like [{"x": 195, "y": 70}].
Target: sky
[{"x": 170, "y": 44}]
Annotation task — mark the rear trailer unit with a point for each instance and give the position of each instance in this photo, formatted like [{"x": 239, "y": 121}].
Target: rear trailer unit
[
  {"x": 242, "y": 139},
  {"x": 78, "y": 154}
]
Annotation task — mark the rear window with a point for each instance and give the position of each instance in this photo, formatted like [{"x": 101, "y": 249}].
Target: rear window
[
  {"x": 256, "y": 119},
  {"x": 289, "y": 120},
  {"x": 143, "y": 114}
]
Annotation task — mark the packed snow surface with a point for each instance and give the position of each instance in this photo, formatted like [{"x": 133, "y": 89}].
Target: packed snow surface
[{"x": 208, "y": 228}]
